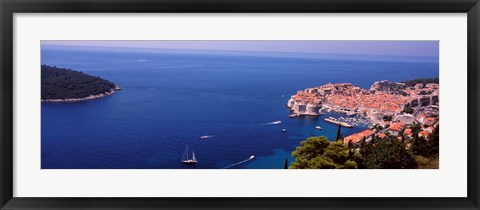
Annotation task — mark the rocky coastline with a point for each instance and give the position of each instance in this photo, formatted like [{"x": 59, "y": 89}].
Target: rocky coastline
[{"x": 90, "y": 97}]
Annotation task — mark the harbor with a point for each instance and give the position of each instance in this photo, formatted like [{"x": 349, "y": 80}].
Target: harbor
[{"x": 336, "y": 122}]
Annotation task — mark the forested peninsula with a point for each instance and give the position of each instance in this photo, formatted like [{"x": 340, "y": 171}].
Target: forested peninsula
[{"x": 66, "y": 85}]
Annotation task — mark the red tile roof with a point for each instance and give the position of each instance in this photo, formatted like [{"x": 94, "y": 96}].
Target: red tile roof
[
  {"x": 397, "y": 126},
  {"x": 358, "y": 136}
]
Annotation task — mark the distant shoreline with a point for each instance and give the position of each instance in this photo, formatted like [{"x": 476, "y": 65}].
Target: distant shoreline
[{"x": 90, "y": 97}]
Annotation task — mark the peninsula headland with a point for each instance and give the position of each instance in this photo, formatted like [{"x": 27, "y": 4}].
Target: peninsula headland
[{"x": 66, "y": 85}]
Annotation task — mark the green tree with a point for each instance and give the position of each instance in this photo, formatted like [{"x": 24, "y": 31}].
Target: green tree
[
  {"x": 415, "y": 130},
  {"x": 373, "y": 140},
  {"x": 358, "y": 158},
  {"x": 309, "y": 149},
  {"x": 321, "y": 163},
  {"x": 387, "y": 118},
  {"x": 409, "y": 110},
  {"x": 339, "y": 134},
  {"x": 363, "y": 145},
  {"x": 433, "y": 142},
  {"x": 389, "y": 153},
  {"x": 318, "y": 153},
  {"x": 350, "y": 164},
  {"x": 351, "y": 148},
  {"x": 419, "y": 144},
  {"x": 377, "y": 127},
  {"x": 300, "y": 163},
  {"x": 421, "y": 147},
  {"x": 337, "y": 151}
]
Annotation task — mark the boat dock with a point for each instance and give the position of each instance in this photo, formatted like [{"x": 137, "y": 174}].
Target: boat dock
[{"x": 335, "y": 121}]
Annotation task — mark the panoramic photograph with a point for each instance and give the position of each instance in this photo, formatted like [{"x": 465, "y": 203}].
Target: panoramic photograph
[{"x": 237, "y": 104}]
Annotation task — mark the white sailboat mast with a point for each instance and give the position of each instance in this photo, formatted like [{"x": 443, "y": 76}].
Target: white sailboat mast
[{"x": 185, "y": 154}]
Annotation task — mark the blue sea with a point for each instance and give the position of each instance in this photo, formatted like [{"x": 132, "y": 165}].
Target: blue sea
[{"x": 171, "y": 98}]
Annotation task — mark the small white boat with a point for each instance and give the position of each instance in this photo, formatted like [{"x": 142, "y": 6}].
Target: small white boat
[
  {"x": 205, "y": 137},
  {"x": 185, "y": 158},
  {"x": 276, "y": 122},
  {"x": 251, "y": 157},
  {"x": 284, "y": 130},
  {"x": 318, "y": 127}
]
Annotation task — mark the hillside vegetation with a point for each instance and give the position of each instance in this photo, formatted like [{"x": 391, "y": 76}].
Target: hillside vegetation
[
  {"x": 61, "y": 83},
  {"x": 424, "y": 81}
]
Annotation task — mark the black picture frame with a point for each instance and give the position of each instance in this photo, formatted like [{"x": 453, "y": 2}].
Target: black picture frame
[{"x": 10, "y": 7}]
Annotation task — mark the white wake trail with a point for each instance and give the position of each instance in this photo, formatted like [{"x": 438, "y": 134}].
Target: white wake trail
[{"x": 241, "y": 162}]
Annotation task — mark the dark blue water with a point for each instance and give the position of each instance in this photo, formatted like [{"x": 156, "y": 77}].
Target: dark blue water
[{"x": 169, "y": 100}]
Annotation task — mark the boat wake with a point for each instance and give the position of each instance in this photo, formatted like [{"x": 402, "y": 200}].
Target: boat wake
[
  {"x": 274, "y": 123},
  {"x": 241, "y": 162},
  {"x": 206, "y": 137}
]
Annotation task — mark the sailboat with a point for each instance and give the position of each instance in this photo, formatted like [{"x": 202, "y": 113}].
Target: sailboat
[{"x": 185, "y": 158}]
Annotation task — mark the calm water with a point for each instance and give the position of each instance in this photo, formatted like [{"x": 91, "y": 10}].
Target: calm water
[{"x": 169, "y": 100}]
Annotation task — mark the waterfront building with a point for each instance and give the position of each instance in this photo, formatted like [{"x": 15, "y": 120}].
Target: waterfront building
[{"x": 384, "y": 98}]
